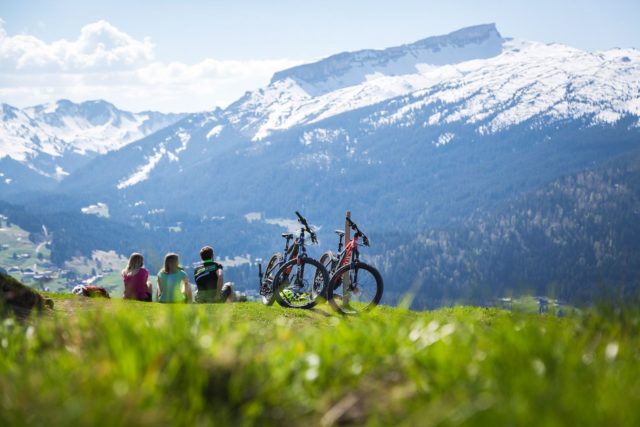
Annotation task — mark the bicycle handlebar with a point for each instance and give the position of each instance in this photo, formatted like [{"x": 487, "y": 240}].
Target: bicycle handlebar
[
  {"x": 303, "y": 221},
  {"x": 354, "y": 227}
]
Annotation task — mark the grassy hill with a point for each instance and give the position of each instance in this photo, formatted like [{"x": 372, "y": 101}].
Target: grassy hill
[{"x": 114, "y": 362}]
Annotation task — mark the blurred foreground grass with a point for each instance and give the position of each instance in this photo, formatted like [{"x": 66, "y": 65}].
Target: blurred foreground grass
[{"x": 96, "y": 362}]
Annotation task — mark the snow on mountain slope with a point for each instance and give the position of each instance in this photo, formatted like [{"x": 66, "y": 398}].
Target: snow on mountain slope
[
  {"x": 472, "y": 81},
  {"x": 17, "y": 132},
  {"x": 42, "y": 136},
  {"x": 165, "y": 153},
  {"x": 542, "y": 85},
  {"x": 501, "y": 80},
  {"x": 529, "y": 81},
  {"x": 352, "y": 68},
  {"x": 142, "y": 173}
]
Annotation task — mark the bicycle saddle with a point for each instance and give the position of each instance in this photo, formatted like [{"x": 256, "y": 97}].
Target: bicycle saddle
[
  {"x": 287, "y": 235},
  {"x": 340, "y": 232}
]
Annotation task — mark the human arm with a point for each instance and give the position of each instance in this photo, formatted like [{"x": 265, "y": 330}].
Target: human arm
[
  {"x": 220, "y": 279},
  {"x": 144, "y": 289},
  {"x": 158, "y": 289},
  {"x": 187, "y": 289},
  {"x": 124, "y": 284}
]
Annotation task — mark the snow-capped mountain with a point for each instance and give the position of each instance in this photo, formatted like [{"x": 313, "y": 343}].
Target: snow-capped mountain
[
  {"x": 467, "y": 76},
  {"x": 465, "y": 115},
  {"x": 352, "y": 68},
  {"x": 54, "y": 139},
  {"x": 425, "y": 137}
]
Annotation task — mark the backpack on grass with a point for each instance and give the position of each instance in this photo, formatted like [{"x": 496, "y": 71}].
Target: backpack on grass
[{"x": 90, "y": 291}]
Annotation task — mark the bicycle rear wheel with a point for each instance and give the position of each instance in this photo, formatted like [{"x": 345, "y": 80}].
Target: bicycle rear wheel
[
  {"x": 299, "y": 283},
  {"x": 266, "y": 287},
  {"x": 328, "y": 263},
  {"x": 355, "y": 288}
]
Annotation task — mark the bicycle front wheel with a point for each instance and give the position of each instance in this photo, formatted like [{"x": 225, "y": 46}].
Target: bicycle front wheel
[
  {"x": 266, "y": 287},
  {"x": 299, "y": 283},
  {"x": 355, "y": 288}
]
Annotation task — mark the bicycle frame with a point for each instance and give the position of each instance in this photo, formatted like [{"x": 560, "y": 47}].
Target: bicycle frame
[
  {"x": 302, "y": 254},
  {"x": 350, "y": 255},
  {"x": 346, "y": 255}
]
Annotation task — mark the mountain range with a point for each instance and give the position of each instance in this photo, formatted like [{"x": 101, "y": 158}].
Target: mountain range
[
  {"x": 53, "y": 140},
  {"x": 411, "y": 139}
]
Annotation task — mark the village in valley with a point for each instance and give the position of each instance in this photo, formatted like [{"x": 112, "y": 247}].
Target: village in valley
[
  {"x": 30, "y": 262},
  {"x": 27, "y": 257}
]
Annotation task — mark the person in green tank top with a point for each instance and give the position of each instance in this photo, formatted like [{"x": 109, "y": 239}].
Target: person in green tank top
[{"x": 173, "y": 283}]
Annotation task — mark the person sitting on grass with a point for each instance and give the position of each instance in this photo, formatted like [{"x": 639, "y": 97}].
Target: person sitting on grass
[
  {"x": 135, "y": 278},
  {"x": 210, "y": 281},
  {"x": 173, "y": 284}
]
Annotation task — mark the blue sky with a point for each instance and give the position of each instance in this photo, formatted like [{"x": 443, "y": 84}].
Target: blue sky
[{"x": 193, "y": 37}]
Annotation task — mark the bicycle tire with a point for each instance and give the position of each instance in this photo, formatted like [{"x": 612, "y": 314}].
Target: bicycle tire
[
  {"x": 366, "y": 294},
  {"x": 267, "y": 280},
  {"x": 327, "y": 261},
  {"x": 307, "y": 288}
]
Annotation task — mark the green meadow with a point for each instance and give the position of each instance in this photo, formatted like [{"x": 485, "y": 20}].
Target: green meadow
[{"x": 114, "y": 362}]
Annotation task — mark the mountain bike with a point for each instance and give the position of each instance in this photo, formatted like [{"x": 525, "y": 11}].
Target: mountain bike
[
  {"x": 354, "y": 286},
  {"x": 300, "y": 280},
  {"x": 275, "y": 262}
]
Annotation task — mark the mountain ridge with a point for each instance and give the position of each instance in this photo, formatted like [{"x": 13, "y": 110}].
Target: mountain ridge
[
  {"x": 54, "y": 139},
  {"x": 526, "y": 79},
  {"x": 436, "y": 50},
  {"x": 531, "y": 91}
]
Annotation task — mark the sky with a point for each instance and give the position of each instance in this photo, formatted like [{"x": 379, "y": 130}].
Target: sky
[{"x": 194, "y": 55}]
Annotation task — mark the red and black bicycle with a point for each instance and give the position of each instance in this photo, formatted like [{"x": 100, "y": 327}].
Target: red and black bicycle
[{"x": 354, "y": 286}]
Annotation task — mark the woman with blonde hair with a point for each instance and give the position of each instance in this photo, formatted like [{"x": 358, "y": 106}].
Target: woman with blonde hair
[
  {"x": 135, "y": 278},
  {"x": 173, "y": 284}
]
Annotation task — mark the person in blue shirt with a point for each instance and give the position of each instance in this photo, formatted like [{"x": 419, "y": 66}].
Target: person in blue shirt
[{"x": 173, "y": 283}]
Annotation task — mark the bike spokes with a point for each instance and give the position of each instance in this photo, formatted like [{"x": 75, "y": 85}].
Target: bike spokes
[
  {"x": 298, "y": 291},
  {"x": 303, "y": 285},
  {"x": 355, "y": 288}
]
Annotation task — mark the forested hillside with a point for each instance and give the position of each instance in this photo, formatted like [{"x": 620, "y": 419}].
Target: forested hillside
[{"x": 577, "y": 238}]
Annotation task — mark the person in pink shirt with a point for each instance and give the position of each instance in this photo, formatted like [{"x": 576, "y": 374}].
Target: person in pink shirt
[{"x": 136, "y": 279}]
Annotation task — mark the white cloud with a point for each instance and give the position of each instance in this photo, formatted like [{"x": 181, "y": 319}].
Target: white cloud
[
  {"x": 100, "y": 46},
  {"x": 104, "y": 62}
]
